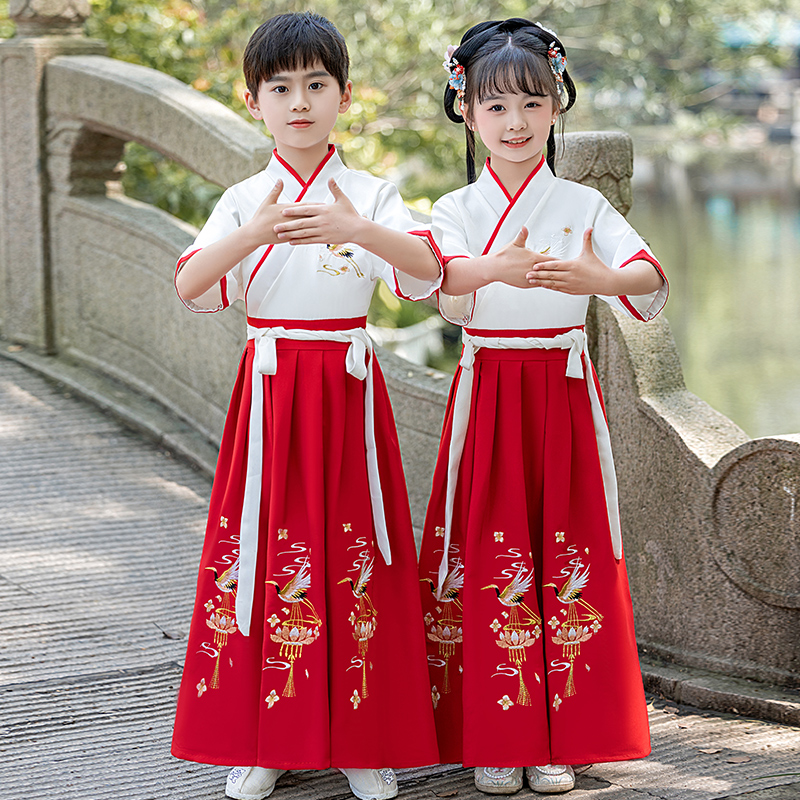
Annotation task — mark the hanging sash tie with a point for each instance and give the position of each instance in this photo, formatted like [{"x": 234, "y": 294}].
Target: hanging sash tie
[
  {"x": 574, "y": 341},
  {"x": 358, "y": 363}
]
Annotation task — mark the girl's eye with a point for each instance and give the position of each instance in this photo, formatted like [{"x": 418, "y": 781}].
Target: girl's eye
[
  {"x": 496, "y": 107},
  {"x": 533, "y": 104}
]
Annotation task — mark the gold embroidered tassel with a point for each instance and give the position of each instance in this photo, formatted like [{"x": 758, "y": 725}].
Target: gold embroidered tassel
[
  {"x": 288, "y": 690},
  {"x": 215, "y": 677},
  {"x": 524, "y": 696},
  {"x": 569, "y": 690}
]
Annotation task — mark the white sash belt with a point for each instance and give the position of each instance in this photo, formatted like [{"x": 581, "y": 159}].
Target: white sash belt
[
  {"x": 265, "y": 362},
  {"x": 574, "y": 341}
]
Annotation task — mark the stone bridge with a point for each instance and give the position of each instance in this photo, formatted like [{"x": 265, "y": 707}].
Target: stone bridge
[{"x": 709, "y": 515}]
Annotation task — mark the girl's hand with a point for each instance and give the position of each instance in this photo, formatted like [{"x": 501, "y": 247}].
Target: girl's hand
[
  {"x": 586, "y": 274},
  {"x": 260, "y": 226},
  {"x": 320, "y": 223},
  {"x": 513, "y": 264}
]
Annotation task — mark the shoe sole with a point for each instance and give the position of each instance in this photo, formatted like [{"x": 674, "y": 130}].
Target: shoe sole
[
  {"x": 368, "y": 796},
  {"x": 552, "y": 789},
  {"x": 242, "y": 796},
  {"x": 498, "y": 789}
]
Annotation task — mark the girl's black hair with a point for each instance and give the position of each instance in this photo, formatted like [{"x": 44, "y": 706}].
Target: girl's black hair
[
  {"x": 294, "y": 41},
  {"x": 503, "y": 57}
]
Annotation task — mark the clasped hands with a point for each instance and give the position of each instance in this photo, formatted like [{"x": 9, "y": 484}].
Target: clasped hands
[
  {"x": 584, "y": 274},
  {"x": 305, "y": 223}
]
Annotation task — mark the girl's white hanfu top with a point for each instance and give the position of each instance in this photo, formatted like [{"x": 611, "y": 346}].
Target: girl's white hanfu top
[
  {"x": 483, "y": 217},
  {"x": 306, "y": 283}
]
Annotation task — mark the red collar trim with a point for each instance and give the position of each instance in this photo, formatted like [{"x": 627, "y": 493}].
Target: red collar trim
[
  {"x": 521, "y": 188},
  {"x": 512, "y": 200},
  {"x": 294, "y": 173}
]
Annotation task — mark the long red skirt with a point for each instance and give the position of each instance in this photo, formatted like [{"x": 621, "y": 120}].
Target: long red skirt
[
  {"x": 338, "y": 677},
  {"x": 531, "y": 648}
]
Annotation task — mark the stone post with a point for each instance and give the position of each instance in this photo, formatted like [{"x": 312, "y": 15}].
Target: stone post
[{"x": 45, "y": 29}]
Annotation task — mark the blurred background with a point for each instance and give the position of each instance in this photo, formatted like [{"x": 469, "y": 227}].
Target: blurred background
[{"x": 708, "y": 89}]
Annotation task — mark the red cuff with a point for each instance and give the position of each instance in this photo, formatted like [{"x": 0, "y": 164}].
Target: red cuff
[
  {"x": 428, "y": 236},
  {"x": 642, "y": 255},
  {"x": 181, "y": 261},
  {"x": 437, "y": 253}
]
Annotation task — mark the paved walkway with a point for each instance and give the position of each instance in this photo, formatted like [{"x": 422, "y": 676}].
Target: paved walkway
[{"x": 100, "y": 534}]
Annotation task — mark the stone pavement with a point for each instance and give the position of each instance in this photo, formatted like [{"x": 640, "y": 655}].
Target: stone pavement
[{"x": 101, "y": 533}]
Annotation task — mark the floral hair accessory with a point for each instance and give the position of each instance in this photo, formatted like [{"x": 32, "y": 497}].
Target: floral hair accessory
[
  {"x": 456, "y": 70},
  {"x": 558, "y": 64}
]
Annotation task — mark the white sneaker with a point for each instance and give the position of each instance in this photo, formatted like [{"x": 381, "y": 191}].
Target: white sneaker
[
  {"x": 551, "y": 778},
  {"x": 498, "y": 780},
  {"x": 372, "y": 784},
  {"x": 251, "y": 783}
]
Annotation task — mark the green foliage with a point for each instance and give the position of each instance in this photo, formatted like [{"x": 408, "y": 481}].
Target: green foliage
[
  {"x": 153, "y": 179},
  {"x": 6, "y": 26}
]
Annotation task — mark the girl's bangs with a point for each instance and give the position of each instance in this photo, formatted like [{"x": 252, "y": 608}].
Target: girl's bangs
[{"x": 513, "y": 70}]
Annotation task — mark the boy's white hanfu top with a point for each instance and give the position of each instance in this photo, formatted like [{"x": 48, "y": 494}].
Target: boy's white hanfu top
[
  {"x": 482, "y": 218},
  {"x": 307, "y": 282}
]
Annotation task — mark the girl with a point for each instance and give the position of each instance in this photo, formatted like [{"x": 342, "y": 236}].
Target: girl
[{"x": 531, "y": 646}]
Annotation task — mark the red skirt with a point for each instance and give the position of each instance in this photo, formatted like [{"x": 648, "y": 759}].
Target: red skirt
[
  {"x": 333, "y": 672},
  {"x": 531, "y": 648}
]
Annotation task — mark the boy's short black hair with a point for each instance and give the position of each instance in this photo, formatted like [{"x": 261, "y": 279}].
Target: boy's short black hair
[{"x": 291, "y": 42}]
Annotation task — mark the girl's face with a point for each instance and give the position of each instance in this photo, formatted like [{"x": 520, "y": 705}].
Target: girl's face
[{"x": 514, "y": 127}]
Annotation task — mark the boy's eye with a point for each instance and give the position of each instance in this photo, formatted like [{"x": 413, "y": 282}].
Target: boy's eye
[
  {"x": 280, "y": 89},
  {"x": 316, "y": 85}
]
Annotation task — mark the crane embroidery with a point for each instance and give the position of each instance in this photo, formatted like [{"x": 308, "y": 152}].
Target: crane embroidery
[
  {"x": 578, "y": 626},
  {"x": 302, "y": 626},
  {"x": 365, "y": 618},
  {"x": 347, "y": 254},
  {"x": 523, "y": 627},
  {"x": 447, "y": 631},
  {"x": 223, "y": 618}
]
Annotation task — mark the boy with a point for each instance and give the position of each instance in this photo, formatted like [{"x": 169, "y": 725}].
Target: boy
[{"x": 307, "y": 626}]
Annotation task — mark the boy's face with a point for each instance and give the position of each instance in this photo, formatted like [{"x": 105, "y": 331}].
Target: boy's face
[{"x": 300, "y": 108}]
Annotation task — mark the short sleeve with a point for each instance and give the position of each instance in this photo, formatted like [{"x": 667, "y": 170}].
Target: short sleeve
[
  {"x": 224, "y": 219},
  {"x": 617, "y": 244},
  {"x": 447, "y": 227},
  {"x": 391, "y": 212}
]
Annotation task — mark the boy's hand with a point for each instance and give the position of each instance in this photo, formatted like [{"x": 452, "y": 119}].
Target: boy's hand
[
  {"x": 513, "y": 264},
  {"x": 586, "y": 274},
  {"x": 260, "y": 226},
  {"x": 319, "y": 223}
]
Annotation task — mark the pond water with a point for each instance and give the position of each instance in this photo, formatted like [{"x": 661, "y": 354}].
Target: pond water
[{"x": 727, "y": 230}]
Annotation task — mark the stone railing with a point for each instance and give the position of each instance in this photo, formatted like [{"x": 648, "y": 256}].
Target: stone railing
[{"x": 86, "y": 274}]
